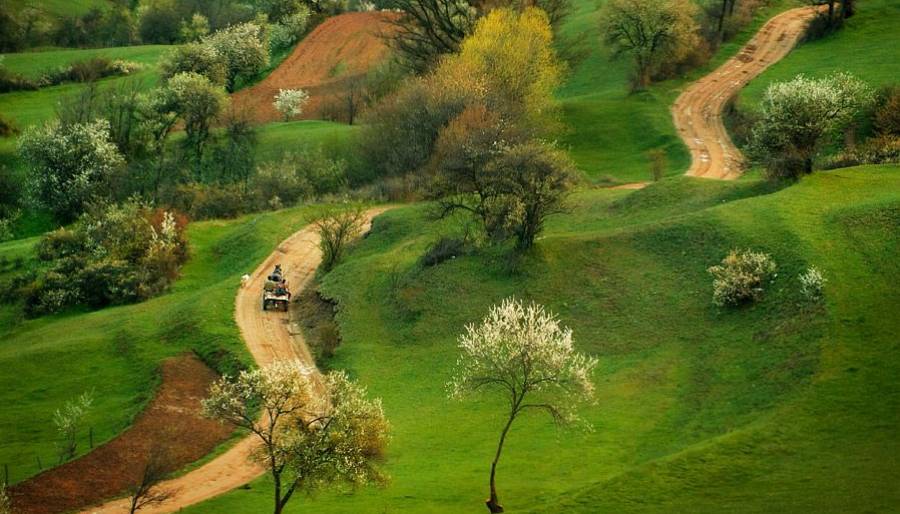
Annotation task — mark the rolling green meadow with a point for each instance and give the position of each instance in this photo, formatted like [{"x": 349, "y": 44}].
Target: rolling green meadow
[{"x": 779, "y": 406}]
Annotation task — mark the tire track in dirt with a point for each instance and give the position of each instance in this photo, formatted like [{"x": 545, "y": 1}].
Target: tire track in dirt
[
  {"x": 698, "y": 110},
  {"x": 268, "y": 337}
]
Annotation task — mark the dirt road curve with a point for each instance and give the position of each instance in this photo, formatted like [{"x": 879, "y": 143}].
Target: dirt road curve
[
  {"x": 698, "y": 111},
  {"x": 268, "y": 336}
]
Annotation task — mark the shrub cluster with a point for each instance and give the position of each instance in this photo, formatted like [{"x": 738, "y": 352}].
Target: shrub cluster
[
  {"x": 81, "y": 71},
  {"x": 812, "y": 284},
  {"x": 111, "y": 255},
  {"x": 740, "y": 277}
]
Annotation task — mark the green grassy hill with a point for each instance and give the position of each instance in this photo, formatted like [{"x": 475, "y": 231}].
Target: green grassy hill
[
  {"x": 116, "y": 351},
  {"x": 774, "y": 407}
]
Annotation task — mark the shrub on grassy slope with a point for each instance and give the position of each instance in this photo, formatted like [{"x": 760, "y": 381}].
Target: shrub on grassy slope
[
  {"x": 740, "y": 277},
  {"x": 800, "y": 116},
  {"x": 68, "y": 164},
  {"x": 112, "y": 255}
]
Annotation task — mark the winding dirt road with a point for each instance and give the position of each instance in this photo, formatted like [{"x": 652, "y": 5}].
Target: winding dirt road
[
  {"x": 269, "y": 336},
  {"x": 698, "y": 118},
  {"x": 698, "y": 110}
]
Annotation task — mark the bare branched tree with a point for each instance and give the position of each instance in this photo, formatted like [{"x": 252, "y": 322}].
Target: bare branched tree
[
  {"x": 146, "y": 490},
  {"x": 336, "y": 230},
  {"x": 428, "y": 29}
]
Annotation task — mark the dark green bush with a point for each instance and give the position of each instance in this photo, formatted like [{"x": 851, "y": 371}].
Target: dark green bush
[
  {"x": 444, "y": 249},
  {"x": 112, "y": 255}
]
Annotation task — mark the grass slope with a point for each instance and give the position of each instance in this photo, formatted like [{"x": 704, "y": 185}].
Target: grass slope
[
  {"x": 773, "y": 407},
  {"x": 27, "y": 108},
  {"x": 868, "y": 46},
  {"x": 115, "y": 351}
]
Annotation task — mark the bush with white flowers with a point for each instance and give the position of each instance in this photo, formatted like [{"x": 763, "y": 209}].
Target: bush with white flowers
[
  {"x": 290, "y": 102},
  {"x": 741, "y": 276},
  {"x": 68, "y": 165},
  {"x": 812, "y": 283}
]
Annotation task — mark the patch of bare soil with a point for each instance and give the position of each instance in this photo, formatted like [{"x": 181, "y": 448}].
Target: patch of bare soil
[
  {"x": 326, "y": 64},
  {"x": 172, "y": 422},
  {"x": 698, "y": 111}
]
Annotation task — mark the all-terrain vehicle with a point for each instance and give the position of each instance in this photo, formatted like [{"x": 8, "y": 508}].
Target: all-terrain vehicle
[{"x": 275, "y": 291}]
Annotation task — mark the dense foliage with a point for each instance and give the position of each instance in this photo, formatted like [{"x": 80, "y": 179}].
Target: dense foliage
[
  {"x": 69, "y": 165},
  {"x": 741, "y": 277},
  {"x": 112, "y": 255},
  {"x": 800, "y": 116}
]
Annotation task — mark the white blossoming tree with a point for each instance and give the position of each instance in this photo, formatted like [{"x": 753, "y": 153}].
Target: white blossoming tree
[
  {"x": 290, "y": 102},
  {"x": 315, "y": 430},
  {"x": 522, "y": 353},
  {"x": 68, "y": 421},
  {"x": 799, "y": 116},
  {"x": 68, "y": 165},
  {"x": 242, "y": 48}
]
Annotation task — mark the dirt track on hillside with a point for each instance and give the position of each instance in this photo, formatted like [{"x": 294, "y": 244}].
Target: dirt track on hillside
[
  {"x": 269, "y": 335},
  {"x": 698, "y": 110},
  {"x": 325, "y": 63}
]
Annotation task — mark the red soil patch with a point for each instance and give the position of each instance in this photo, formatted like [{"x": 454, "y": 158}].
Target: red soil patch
[
  {"x": 341, "y": 49},
  {"x": 173, "y": 418}
]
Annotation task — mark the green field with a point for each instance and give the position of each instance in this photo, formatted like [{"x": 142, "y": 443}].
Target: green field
[
  {"x": 775, "y": 407},
  {"x": 116, "y": 351},
  {"x": 27, "y": 108}
]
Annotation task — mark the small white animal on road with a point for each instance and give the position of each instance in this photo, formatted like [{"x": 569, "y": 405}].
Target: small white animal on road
[{"x": 245, "y": 280}]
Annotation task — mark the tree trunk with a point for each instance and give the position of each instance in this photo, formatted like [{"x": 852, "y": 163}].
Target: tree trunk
[
  {"x": 493, "y": 503},
  {"x": 831, "y": 10},
  {"x": 722, "y": 18}
]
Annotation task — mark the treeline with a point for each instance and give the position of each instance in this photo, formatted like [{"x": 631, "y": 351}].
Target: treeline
[{"x": 130, "y": 22}]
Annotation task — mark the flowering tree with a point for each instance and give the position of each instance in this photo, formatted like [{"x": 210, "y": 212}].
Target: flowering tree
[
  {"x": 315, "y": 430},
  {"x": 243, "y": 50},
  {"x": 524, "y": 354},
  {"x": 652, "y": 31},
  {"x": 68, "y": 420},
  {"x": 799, "y": 116},
  {"x": 68, "y": 164},
  {"x": 290, "y": 102}
]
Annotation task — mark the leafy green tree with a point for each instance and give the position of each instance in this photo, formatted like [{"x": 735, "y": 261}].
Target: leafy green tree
[
  {"x": 198, "y": 103},
  {"x": 68, "y": 165},
  {"x": 314, "y": 430},
  {"x": 242, "y": 49},
  {"x": 194, "y": 57},
  {"x": 159, "y": 22},
  {"x": 799, "y": 116},
  {"x": 651, "y": 31}
]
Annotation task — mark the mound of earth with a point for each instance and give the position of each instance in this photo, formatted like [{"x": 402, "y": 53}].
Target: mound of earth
[
  {"x": 326, "y": 64},
  {"x": 173, "y": 417}
]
